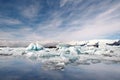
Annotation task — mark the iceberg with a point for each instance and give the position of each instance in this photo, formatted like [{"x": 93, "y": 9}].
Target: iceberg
[{"x": 34, "y": 47}]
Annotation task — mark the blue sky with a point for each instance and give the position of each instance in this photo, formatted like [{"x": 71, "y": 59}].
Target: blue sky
[{"x": 59, "y": 19}]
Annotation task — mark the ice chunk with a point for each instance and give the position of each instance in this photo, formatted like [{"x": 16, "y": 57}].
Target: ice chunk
[
  {"x": 34, "y": 47},
  {"x": 80, "y": 43},
  {"x": 93, "y": 43},
  {"x": 74, "y": 50},
  {"x": 62, "y": 45},
  {"x": 54, "y": 64},
  {"x": 6, "y": 51},
  {"x": 11, "y": 51},
  {"x": 70, "y": 53},
  {"x": 116, "y": 43}
]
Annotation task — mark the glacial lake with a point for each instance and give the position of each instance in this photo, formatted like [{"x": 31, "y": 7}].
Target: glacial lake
[{"x": 25, "y": 69}]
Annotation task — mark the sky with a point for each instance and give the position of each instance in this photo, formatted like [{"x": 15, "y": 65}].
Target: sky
[{"x": 62, "y": 20}]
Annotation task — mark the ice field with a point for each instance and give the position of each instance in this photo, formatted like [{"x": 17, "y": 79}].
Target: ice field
[{"x": 61, "y": 54}]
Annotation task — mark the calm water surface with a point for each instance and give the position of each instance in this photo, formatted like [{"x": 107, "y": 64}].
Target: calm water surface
[{"x": 25, "y": 69}]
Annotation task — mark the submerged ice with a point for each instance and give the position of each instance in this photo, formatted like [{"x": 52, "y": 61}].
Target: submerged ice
[{"x": 86, "y": 52}]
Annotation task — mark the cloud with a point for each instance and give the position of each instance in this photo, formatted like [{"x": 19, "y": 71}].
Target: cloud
[
  {"x": 92, "y": 23},
  {"x": 10, "y": 21},
  {"x": 29, "y": 34},
  {"x": 30, "y": 11},
  {"x": 5, "y": 35},
  {"x": 50, "y": 28},
  {"x": 24, "y": 33},
  {"x": 63, "y": 2},
  {"x": 102, "y": 24},
  {"x": 68, "y": 20}
]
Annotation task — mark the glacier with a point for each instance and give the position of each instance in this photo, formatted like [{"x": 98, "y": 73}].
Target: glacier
[{"x": 74, "y": 52}]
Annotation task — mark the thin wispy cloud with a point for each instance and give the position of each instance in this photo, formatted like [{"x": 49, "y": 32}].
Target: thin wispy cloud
[
  {"x": 63, "y": 19},
  {"x": 63, "y": 2},
  {"x": 9, "y": 21},
  {"x": 31, "y": 10}
]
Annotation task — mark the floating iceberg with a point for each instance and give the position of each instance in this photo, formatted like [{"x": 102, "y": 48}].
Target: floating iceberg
[{"x": 34, "y": 47}]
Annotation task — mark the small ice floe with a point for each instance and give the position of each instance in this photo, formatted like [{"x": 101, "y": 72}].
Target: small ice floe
[
  {"x": 53, "y": 65},
  {"x": 6, "y": 52}
]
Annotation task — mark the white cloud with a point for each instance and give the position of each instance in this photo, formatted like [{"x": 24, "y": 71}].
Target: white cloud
[
  {"x": 50, "y": 25},
  {"x": 103, "y": 24},
  {"x": 25, "y": 32},
  {"x": 81, "y": 22},
  {"x": 72, "y": 2},
  {"x": 110, "y": 12},
  {"x": 81, "y": 25},
  {"x": 9, "y": 21},
  {"x": 5, "y": 35},
  {"x": 30, "y": 11},
  {"x": 63, "y": 2}
]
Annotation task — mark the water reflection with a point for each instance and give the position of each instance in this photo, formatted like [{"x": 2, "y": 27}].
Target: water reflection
[{"x": 26, "y": 69}]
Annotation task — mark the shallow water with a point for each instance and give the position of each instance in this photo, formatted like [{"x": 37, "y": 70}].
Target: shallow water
[{"x": 25, "y": 69}]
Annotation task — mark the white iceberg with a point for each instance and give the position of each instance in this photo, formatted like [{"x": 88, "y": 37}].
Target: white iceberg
[{"x": 34, "y": 47}]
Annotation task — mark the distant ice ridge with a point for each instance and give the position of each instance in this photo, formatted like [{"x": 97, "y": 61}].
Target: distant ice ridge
[
  {"x": 69, "y": 52},
  {"x": 94, "y": 47}
]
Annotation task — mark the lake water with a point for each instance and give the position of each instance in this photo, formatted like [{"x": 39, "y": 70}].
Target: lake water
[{"x": 25, "y": 69}]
